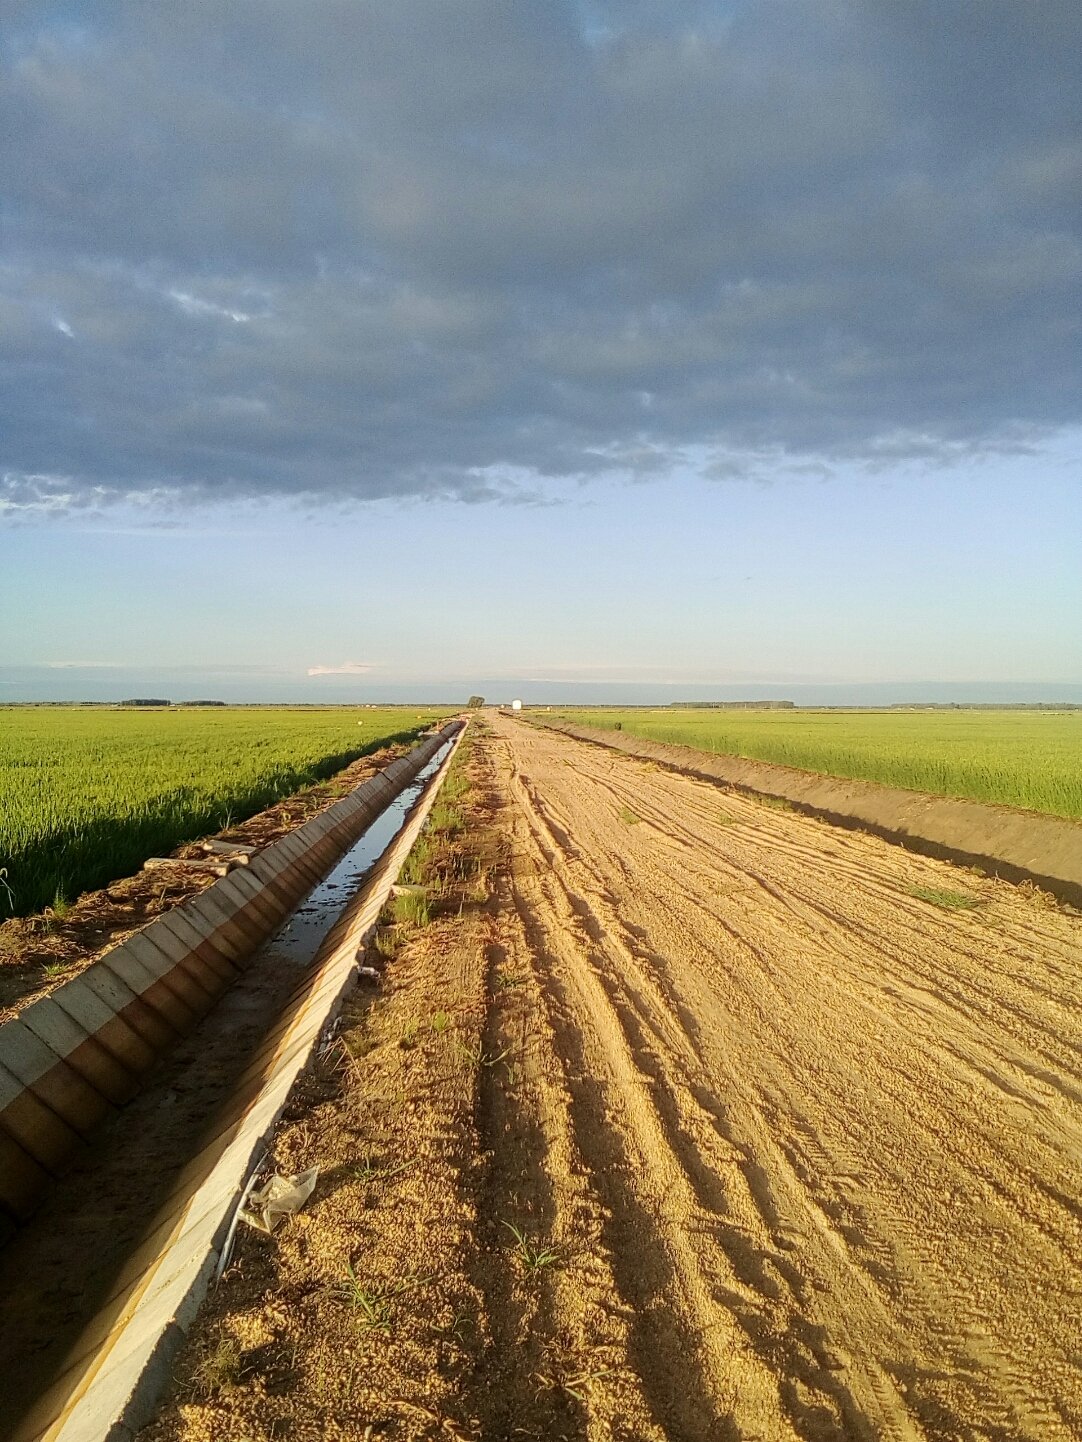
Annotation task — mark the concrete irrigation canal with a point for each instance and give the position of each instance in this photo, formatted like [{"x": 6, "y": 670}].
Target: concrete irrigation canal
[{"x": 135, "y": 1100}]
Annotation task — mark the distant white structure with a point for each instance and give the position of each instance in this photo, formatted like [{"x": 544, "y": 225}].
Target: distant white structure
[{"x": 516, "y": 705}]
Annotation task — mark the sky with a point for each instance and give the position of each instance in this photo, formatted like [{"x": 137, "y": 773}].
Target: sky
[{"x": 580, "y": 351}]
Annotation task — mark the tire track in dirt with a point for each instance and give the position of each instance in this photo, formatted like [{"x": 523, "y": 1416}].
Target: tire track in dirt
[
  {"x": 557, "y": 1363},
  {"x": 854, "y": 1120},
  {"x": 749, "y": 1405}
]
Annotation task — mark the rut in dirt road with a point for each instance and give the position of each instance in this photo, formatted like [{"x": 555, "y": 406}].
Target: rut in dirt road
[{"x": 828, "y": 1131}]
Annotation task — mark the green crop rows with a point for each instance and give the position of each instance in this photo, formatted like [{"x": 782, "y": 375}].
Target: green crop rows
[
  {"x": 1030, "y": 759},
  {"x": 87, "y": 795}
]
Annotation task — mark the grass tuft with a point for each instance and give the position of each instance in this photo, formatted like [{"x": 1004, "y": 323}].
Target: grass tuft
[
  {"x": 508, "y": 980},
  {"x": 374, "y": 1305},
  {"x": 221, "y": 1369},
  {"x": 533, "y": 1258},
  {"x": 948, "y": 900},
  {"x": 411, "y": 909}
]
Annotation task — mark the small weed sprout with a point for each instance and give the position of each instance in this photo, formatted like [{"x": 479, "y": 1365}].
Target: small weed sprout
[
  {"x": 532, "y": 1257},
  {"x": 373, "y": 1170},
  {"x": 475, "y": 1054},
  {"x": 374, "y": 1306},
  {"x": 440, "y": 1022},
  {"x": 947, "y": 900},
  {"x": 628, "y": 817}
]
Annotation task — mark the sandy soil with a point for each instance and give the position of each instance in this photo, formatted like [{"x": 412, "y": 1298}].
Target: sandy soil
[
  {"x": 1005, "y": 841},
  {"x": 791, "y": 1139}
]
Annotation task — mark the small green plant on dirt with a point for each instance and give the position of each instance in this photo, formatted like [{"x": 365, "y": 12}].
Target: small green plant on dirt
[
  {"x": 373, "y": 1169},
  {"x": 461, "y": 1325},
  {"x": 61, "y": 906},
  {"x": 411, "y": 909},
  {"x": 53, "y": 969},
  {"x": 947, "y": 900},
  {"x": 508, "y": 980},
  {"x": 374, "y": 1306},
  {"x": 220, "y": 1370},
  {"x": 475, "y": 1054},
  {"x": 775, "y": 803},
  {"x": 628, "y": 816},
  {"x": 407, "y": 1037},
  {"x": 724, "y": 819},
  {"x": 387, "y": 942},
  {"x": 532, "y": 1257},
  {"x": 440, "y": 1022}
]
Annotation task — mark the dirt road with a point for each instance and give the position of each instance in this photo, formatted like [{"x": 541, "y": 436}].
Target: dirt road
[
  {"x": 831, "y": 1130},
  {"x": 683, "y": 1119}
]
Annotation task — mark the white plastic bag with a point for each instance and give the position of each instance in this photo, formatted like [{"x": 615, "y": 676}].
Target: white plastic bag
[{"x": 277, "y": 1198}]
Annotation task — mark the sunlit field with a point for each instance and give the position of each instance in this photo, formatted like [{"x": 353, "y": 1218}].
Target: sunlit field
[
  {"x": 1029, "y": 759},
  {"x": 87, "y": 795}
]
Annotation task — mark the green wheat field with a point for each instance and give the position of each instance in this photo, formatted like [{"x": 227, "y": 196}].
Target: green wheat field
[
  {"x": 1027, "y": 759},
  {"x": 86, "y": 795}
]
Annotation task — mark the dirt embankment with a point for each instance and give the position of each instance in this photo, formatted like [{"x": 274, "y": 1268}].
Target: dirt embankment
[
  {"x": 710, "y": 1121},
  {"x": 39, "y": 953},
  {"x": 1015, "y": 845}
]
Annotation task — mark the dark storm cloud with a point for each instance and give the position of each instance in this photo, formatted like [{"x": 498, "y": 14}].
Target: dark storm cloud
[{"x": 358, "y": 249}]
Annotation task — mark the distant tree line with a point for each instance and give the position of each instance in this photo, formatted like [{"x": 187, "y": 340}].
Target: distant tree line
[{"x": 732, "y": 705}]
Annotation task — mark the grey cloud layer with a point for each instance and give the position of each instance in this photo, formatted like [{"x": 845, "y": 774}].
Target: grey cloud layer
[{"x": 358, "y": 249}]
